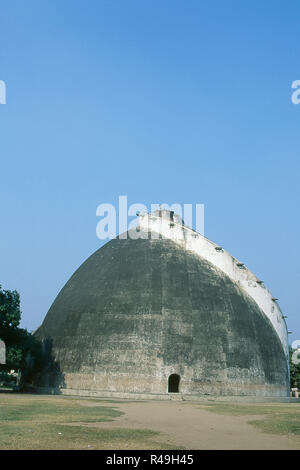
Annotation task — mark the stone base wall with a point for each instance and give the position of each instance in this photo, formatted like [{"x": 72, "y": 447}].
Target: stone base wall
[
  {"x": 163, "y": 397},
  {"x": 138, "y": 384}
]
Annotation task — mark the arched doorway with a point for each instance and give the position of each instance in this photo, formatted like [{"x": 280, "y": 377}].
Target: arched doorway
[{"x": 173, "y": 383}]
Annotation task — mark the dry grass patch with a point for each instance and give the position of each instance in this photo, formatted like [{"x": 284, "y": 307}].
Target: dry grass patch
[
  {"x": 47, "y": 422},
  {"x": 281, "y": 418}
]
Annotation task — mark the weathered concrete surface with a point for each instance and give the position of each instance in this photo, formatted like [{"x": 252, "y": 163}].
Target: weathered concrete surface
[
  {"x": 139, "y": 310},
  {"x": 172, "y": 227}
]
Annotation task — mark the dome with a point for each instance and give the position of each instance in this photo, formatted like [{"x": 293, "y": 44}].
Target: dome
[{"x": 149, "y": 316}]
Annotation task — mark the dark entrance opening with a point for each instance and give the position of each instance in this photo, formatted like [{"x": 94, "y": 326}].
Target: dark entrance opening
[{"x": 173, "y": 383}]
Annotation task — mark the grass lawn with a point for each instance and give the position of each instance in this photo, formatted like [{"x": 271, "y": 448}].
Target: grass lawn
[
  {"x": 45, "y": 422},
  {"x": 276, "y": 418}
]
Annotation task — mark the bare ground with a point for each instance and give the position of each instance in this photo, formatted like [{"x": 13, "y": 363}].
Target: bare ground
[{"x": 192, "y": 426}]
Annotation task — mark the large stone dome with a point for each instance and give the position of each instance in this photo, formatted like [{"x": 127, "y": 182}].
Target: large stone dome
[{"x": 150, "y": 316}]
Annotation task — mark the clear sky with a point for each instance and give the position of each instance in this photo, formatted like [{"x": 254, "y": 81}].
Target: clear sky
[{"x": 163, "y": 101}]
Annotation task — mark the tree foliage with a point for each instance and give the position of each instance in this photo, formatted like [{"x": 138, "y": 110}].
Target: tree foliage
[
  {"x": 22, "y": 348},
  {"x": 10, "y": 313},
  {"x": 294, "y": 369}
]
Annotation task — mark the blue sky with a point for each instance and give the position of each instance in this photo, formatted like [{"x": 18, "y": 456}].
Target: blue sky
[{"x": 162, "y": 101}]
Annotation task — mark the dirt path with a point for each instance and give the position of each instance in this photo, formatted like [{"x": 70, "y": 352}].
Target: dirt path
[{"x": 188, "y": 425}]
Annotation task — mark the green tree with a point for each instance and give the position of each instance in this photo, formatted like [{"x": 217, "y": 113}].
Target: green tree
[
  {"x": 294, "y": 369},
  {"x": 10, "y": 317},
  {"x": 23, "y": 350},
  {"x": 10, "y": 313}
]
